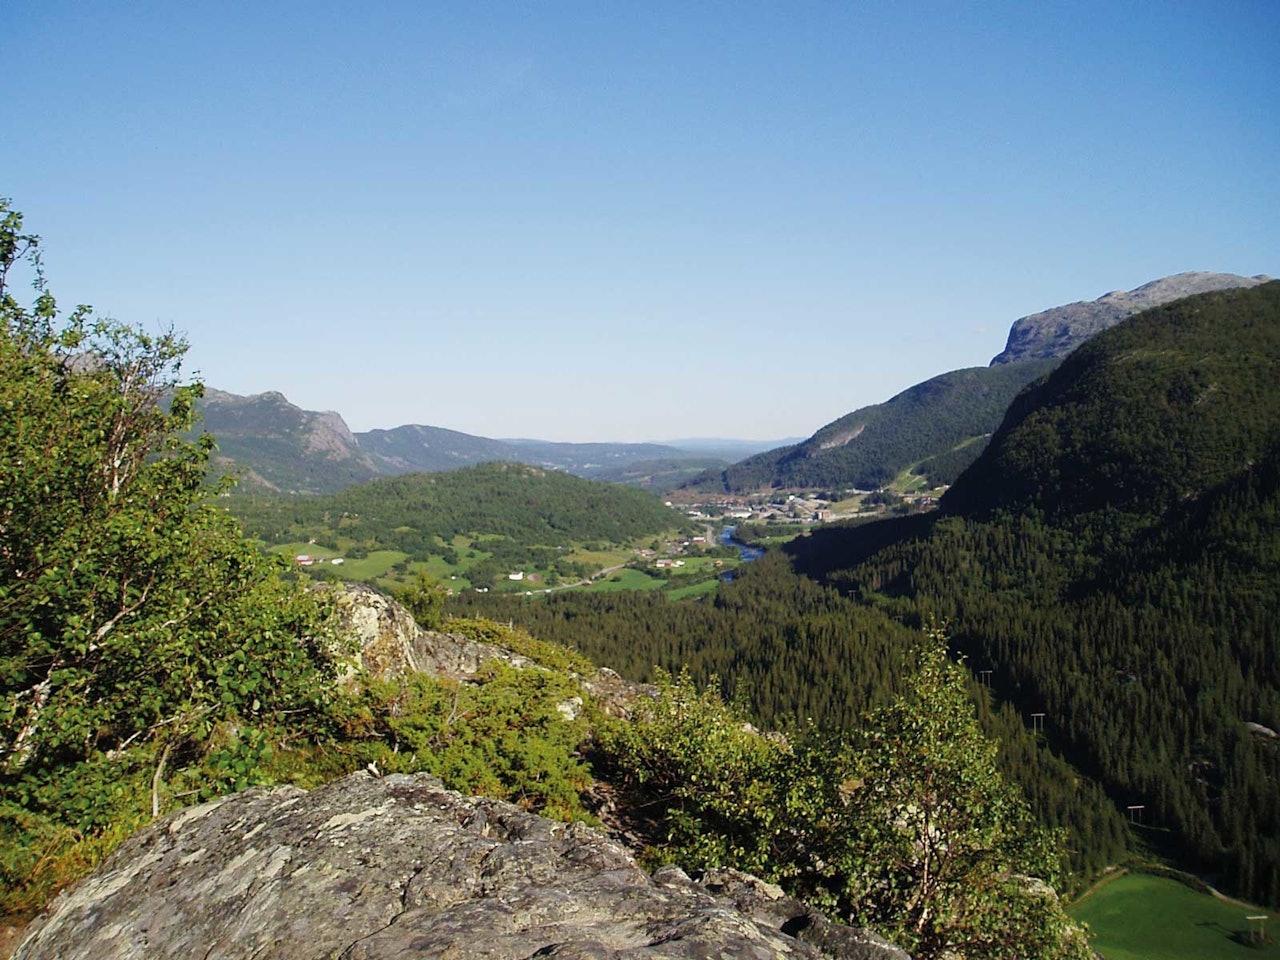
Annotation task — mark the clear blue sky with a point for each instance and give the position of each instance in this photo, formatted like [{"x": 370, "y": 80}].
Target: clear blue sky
[{"x": 628, "y": 221}]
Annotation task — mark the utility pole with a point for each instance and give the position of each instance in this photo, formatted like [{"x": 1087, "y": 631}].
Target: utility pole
[{"x": 1257, "y": 928}]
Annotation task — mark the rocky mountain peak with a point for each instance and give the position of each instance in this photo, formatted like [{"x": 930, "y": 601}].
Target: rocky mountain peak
[
  {"x": 284, "y": 446},
  {"x": 1059, "y": 330}
]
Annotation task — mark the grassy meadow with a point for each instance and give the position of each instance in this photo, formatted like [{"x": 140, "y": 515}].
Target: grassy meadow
[
  {"x": 1137, "y": 916},
  {"x": 391, "y": 568}
]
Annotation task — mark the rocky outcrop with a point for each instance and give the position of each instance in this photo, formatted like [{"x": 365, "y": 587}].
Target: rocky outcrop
[
  {"x": 389, "y": 643},
  {"x": 271, "y": 442},
  {"x": 370, "y": 867},
  {"x": 1058, "y": 331}
]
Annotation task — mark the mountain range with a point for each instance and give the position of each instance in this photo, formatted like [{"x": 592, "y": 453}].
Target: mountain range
[
  {"x": 936, "y": 428},
  {"x": 274, "y": 445},
  {"x": 939, "y": 427}
]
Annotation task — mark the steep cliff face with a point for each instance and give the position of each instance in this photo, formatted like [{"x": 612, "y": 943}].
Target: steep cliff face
[
  {"x": 372, "y": 867},
  {"x": 272, "y": 443},
  {"x": 1058, "y": 331}
]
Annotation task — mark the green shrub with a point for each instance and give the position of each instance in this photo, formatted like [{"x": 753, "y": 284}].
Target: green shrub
[
  {"x": 513, "y": 734},
  {"x": 905, "y": 826}
]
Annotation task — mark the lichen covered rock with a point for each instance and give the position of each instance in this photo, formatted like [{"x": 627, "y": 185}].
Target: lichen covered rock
[
  {"x": 370, "y": 867},
  {"x": 389, "y": 643}
]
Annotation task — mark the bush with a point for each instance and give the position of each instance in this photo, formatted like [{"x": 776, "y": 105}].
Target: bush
[
  {"x": 134, "y": 618},
  {"x": 905, "y": 826}
]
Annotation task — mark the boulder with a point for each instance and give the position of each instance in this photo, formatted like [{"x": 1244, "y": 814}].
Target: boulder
[
  {"x": 390, "y": 643},
  {"x": 381, "y": 867},
  {"x": 387, "y": 642}
]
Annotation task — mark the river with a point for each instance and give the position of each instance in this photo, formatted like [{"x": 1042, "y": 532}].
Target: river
[{"x": 745, "y": 551}]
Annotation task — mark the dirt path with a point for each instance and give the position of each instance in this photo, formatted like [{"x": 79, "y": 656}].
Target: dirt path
[{"x": 582, "y": 583}]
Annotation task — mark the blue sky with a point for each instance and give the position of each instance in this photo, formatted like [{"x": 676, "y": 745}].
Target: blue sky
[{"x": 608, "y": 221}]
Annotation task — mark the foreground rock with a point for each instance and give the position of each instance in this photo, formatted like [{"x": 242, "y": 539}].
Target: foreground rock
[{"x": 398, "y": 867}]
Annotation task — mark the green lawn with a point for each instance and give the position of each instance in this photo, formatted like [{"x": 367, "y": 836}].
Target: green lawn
[
  {"x": 1140, "y": 917},
  {"x": 627, "y": 579},
  {"x": 695, "y": 565},
  {"x": 694, "y": 590},
  {"x": 377, "y": 564}
]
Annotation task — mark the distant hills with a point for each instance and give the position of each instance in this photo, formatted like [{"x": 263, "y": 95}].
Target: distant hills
[
  {"x": 478, "y": 522},
  {"x": 413, "y": 512},
  {"x": 939, "y": 426},
  {"x": 869, "y": 447},
  {"x": 1112, "y": 564},
  {"x": 273, "y": 445}
]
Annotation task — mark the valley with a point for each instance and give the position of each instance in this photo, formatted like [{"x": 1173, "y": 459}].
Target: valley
[
  {"x": 1088, "y": 545},
  {"x": 652, "y": 481},
  {"x": 505, "y": 528},
  {"x": 681, "y": 552},
  {"x": 1077, "y": 625}
]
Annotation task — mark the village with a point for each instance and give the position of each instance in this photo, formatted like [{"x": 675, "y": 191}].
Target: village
[
  {"x": 735, "y": 528},
  {"x": 807, "y": 508}
]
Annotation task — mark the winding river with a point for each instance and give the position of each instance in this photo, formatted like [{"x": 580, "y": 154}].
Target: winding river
[{"x": 745, "y": 550}]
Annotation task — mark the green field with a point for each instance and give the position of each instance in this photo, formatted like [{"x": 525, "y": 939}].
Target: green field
[
  {"x": 627, "y": 579},
  {"x": 908, "y": 482},
  {"x": 1141, "y": 917},
  {"x": 699, "y": 589},
  {"x": 779, "y": 539},
  {"x": 374, "y": 567},
  {"x": 602, "y": 558},
  {"x": 389, "y": 569}
]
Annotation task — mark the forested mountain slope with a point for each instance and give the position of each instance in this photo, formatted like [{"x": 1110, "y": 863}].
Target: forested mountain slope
[
  {"x": 927, "y": 423},
  {"x": 798, "y": 653},
  {"x": 869, "y": 447},
  {"x": 1114, "y": 559},
  {"x": 512, "y": 501}
]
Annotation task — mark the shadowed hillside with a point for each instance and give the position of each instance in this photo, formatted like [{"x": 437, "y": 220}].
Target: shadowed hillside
[{"x": 1113, "y": 559}]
